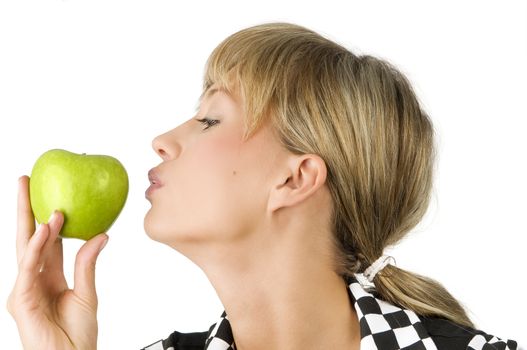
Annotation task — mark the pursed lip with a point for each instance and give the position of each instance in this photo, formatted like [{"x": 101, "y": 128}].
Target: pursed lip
[
  {"x": 154, "y": 178},
  {"x": 154, "y": 183}
]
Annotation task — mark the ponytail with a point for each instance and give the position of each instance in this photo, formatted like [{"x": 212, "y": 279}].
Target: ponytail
[{"x": 420, "y": 294}]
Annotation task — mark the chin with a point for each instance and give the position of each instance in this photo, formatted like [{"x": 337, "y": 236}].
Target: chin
[
  {"x": 159, "y": 229},
  {"x": 149, "y": 225}
]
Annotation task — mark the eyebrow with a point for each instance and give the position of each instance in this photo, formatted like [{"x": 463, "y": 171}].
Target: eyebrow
[{"x": 209, "y": 93}]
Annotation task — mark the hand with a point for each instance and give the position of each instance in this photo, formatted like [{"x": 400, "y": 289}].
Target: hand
[{"x": 48, "y": 314}]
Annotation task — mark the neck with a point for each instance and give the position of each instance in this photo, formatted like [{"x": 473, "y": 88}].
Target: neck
[{"x": 283, "y": 295}]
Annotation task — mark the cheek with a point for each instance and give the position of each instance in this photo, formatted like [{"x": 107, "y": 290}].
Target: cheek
[
  {"x": 223, "y": 193},
  {"x": 208, "y": 196}
]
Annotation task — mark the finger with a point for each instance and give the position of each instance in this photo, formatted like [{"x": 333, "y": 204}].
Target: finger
[
  {"x": 30, "y": 263},
  {"x": 53, "y": 258},
  {"x": 25, "y": 218},
  {"x": 84, "y": 277}
]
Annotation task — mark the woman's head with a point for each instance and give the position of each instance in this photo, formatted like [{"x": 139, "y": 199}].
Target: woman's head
[
  {"x": 357, "y": 112},
  {"x": 212, "y": 180},
  {"x": 221, "y": 190},
  {"x": 355, "y": 118}
]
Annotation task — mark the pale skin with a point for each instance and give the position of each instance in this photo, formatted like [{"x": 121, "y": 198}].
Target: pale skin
[
  {"x": 48, "y": 314},
  {"x": 253, "y": 216}
]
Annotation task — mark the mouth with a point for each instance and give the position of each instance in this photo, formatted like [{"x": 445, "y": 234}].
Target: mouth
[{"x": 155, "y": 183}]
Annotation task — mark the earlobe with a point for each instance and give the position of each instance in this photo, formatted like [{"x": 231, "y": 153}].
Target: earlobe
[{"x": 305, "y": 175}]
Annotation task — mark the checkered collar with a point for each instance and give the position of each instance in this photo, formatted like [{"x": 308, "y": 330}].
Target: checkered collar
[{"x": 382, "y": 325}]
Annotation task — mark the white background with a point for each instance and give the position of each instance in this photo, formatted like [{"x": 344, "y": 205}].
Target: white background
[{"x": 106, "y": 77}]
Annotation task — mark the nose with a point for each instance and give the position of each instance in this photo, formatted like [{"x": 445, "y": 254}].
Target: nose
[{"x": 164, "y": 146}]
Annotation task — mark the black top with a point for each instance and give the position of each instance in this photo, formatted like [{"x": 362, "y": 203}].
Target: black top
[{"x": 383, "y": 326}]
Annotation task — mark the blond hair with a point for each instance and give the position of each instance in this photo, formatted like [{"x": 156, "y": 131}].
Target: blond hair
[{"x": 361, "y": 115}]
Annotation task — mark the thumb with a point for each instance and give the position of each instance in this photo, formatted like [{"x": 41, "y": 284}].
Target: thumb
[{"x": 84, "y": 276}]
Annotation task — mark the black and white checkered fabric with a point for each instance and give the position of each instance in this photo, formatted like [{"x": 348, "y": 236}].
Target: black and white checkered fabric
[
  {"x": 220, "y": 336},
  {"x": 490, "y": 342},
  {"x": 383, "y": 326}
]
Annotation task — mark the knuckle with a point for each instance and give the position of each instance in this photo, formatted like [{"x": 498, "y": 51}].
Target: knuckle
[
  {"x": 86, "y": 264},
  {"x": 10, "y": 304},
  {"x": 88, "y": 303}
]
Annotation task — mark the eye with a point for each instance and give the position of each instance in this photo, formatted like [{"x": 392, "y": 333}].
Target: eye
[{"x": 208, "y": 122}]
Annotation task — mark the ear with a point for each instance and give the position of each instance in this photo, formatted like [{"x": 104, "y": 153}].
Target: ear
[{"x": 304, "y": 175}]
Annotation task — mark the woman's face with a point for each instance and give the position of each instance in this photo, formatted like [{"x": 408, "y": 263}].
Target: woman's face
[{"x": 214, "y": 187}]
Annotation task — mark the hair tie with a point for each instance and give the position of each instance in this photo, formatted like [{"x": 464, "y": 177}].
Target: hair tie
[{"x": 377, "y": 266}]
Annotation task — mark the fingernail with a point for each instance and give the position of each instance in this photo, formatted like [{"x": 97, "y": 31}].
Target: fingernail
[
  {"x": 52, "y": 216},
  {"x": 103, "y": 244}
]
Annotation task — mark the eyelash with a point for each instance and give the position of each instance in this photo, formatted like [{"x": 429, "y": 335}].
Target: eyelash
[{"x": 208, "y": 122}]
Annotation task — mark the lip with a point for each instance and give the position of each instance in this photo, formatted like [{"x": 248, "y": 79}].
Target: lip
[
  {"x": 150, "y": 189},
  {"x": 155, "y": 183}
]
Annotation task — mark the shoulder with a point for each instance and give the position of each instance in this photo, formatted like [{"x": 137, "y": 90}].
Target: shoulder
[
  {"x": 383, "y": 323},
  {"x": 449, "y": 335}
]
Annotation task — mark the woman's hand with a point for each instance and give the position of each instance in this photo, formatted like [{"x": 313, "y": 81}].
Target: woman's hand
[{"x": 48, "y": 314}]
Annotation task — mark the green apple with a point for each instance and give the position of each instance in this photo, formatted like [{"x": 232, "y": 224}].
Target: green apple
[{"x": 90, "y": 190}]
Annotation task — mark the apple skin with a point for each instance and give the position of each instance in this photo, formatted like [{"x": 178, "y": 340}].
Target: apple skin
[{"x": 90, "y": 190}]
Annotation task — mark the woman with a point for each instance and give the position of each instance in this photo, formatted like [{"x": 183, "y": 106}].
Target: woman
[{"x": 306, "y": 162}]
